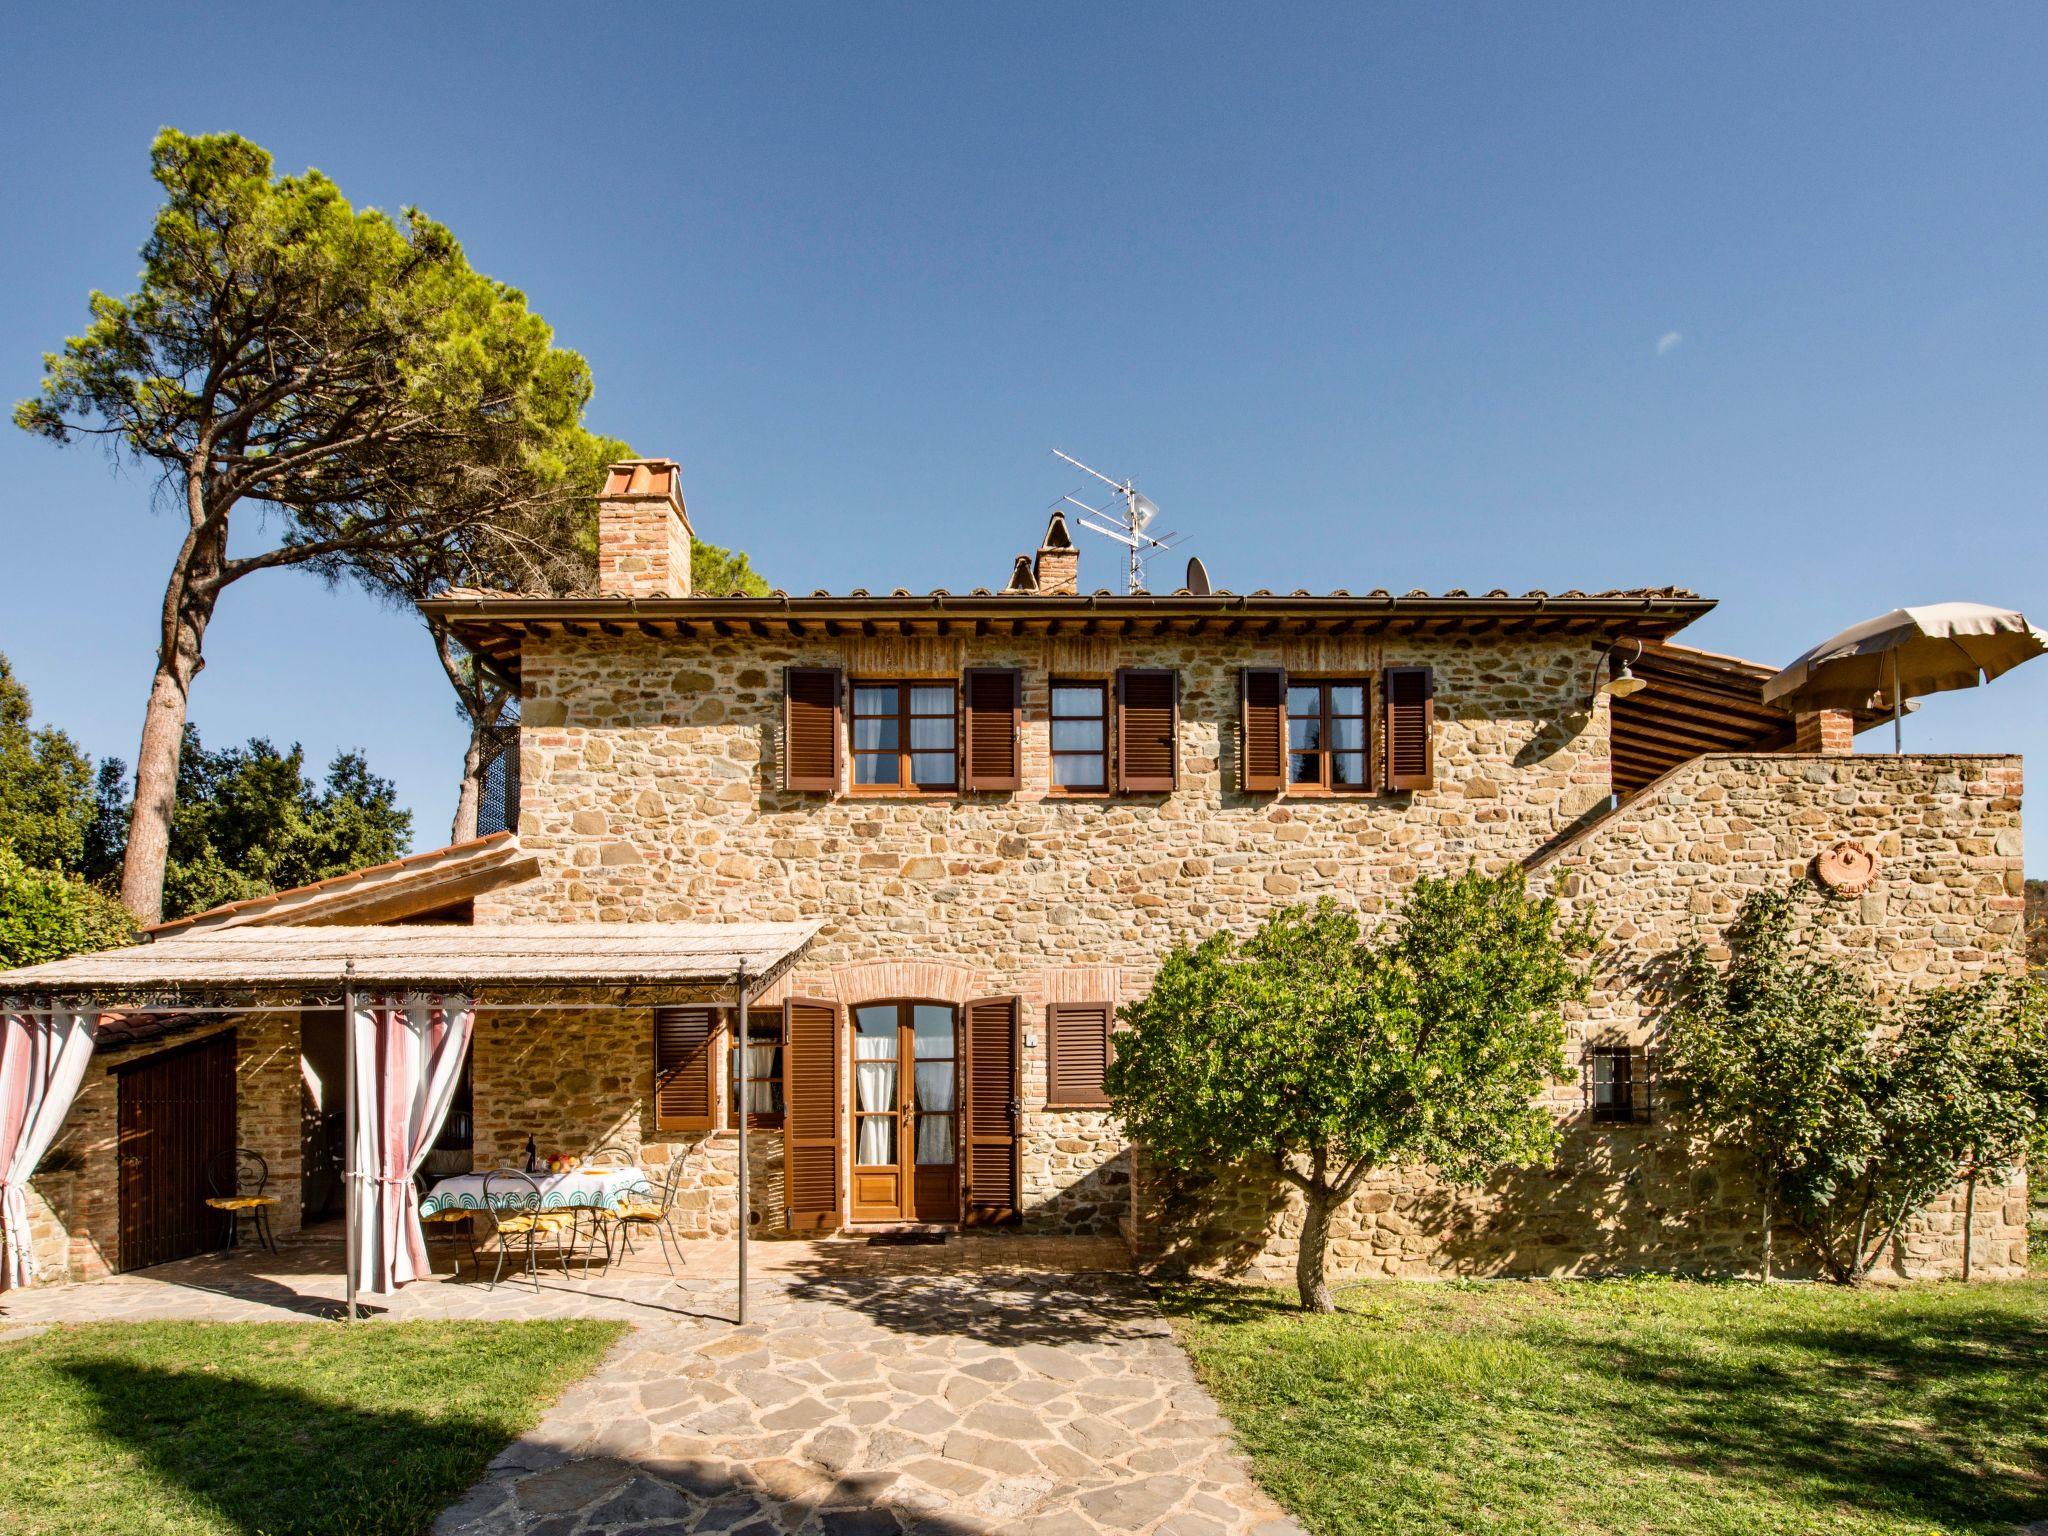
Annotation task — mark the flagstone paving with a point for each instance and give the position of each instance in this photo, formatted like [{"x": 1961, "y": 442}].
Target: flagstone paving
[{"x": 990, "y": 1385}]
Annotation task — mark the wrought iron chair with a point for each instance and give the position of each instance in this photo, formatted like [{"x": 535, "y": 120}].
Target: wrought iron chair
[
  {"x": 235, "y": 1178},
  {"x": 646, "y": 1205},
  {"x": 610, "y": 1155},
  {"x": 512, "y": 1202},
  {"x": 454, "y": 1219}
]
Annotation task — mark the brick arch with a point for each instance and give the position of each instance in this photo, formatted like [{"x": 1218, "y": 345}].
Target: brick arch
[{"x": 867, "y": 981}]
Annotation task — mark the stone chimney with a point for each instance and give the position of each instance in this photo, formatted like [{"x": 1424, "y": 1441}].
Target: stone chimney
[
  {"x": 1058, "y": 566},
  {"x": 643, "y": 533}
]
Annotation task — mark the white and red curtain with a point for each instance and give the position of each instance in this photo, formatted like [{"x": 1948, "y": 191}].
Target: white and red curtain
[
  {"x": 405, "y": 1058},
  {"x": 43, "y": 1055}
]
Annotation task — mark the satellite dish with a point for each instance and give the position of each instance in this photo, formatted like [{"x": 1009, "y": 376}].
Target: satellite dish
[
  {"x": 1198, "y": 576},
  {"x": 1143, "y": 510}
]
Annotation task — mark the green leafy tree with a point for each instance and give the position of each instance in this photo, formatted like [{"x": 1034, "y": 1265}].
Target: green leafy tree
[
  {"x": 1853, "y": 1119},
  {"x": 250, "y": 821},
  {"x": 46, "y": 801},
  {"x": 719, "y": 572},
  {"x": 346, "y": 374},
  {"x": 46, "y": 914},
  {"x": 1328, "y": 1054}
]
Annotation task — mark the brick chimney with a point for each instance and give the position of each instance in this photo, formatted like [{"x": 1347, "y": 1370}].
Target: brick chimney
[
  {"x": 1831, "y": 732},
  {"x": 1058, "y": 566},
  {"x": 643, "y": 533}
]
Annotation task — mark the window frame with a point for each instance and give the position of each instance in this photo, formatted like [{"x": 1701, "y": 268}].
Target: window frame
[
  {"x": 759, "y": 1025},
  {"x": 905, "y": 784},
  {"x": 1323, "y": 752},
  {"x": 1625, "y": 1111},
  {"x": 1104, "y": 690}
]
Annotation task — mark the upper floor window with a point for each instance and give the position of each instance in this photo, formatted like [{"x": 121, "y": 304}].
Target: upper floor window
[
  {"x": 905, "y": 736},
  {"x": 1326, "y": 733},
  {"x": 1080, "y": 736}
]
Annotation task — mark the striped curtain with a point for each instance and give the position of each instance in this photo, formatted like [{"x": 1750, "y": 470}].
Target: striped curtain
[
  {"x": 406, "y": 1057},
  {"x": 43, "y": 1055}
]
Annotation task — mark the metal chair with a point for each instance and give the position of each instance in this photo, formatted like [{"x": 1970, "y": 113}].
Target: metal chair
[
  {"x": 646, "y": 1205},
  {"x": 611, "y": 1155},
  {"x": 512, "y": 1201},
  {"x": 453, "y": 1218},
  {"x": 237, "y": 1176}
]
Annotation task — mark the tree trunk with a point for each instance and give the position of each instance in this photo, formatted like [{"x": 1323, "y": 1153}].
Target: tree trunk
[
  {"x": 189, "y": 599},
  {"x": 1768, "y": 1218},
  {"x": 472, "y": 795},
  {"x": 1969, "y": 1216},
  {"x": 481, "y": 706},
  {"x": 1310, "y": 1260}
]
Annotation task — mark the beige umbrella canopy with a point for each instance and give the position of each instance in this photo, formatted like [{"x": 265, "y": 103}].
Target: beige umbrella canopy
[{"x": 1900, "y": 655}]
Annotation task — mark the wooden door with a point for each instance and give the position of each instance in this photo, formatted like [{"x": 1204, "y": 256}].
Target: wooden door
[
  {"x": 991, "y": 1177},
  {"x": 906, "y": 1076},
  {"x": 176, "y": 1113}
]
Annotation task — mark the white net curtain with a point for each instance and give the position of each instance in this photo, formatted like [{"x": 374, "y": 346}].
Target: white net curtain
[{"x": 874, "y": 1086}]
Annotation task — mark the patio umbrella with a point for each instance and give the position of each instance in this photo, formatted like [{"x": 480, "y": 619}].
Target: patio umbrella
[{"x": 1903, "y": 654}]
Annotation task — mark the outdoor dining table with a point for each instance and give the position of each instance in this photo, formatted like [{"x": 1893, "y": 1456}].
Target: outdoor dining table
[{"x": 578, "y": 1188}]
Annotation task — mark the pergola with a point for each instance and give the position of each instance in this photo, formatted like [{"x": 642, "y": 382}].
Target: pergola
[{"x": 523, "y": 967}]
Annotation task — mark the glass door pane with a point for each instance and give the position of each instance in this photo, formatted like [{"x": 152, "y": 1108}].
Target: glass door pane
[
  {"x": 933, "y": 1082},
  {"x": 874, "y": 1085}
]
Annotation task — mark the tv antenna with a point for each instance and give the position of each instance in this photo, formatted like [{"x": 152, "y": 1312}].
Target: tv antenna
[{"x": 1126, "y": 523}]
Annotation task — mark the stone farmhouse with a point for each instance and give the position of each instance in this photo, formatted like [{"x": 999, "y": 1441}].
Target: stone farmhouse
[{"x": 982, "y": 818}]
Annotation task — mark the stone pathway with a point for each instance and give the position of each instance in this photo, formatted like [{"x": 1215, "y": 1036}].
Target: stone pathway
[
  {"x": 989, "y": 1385},
  {"x": 856, "y": 1405}
]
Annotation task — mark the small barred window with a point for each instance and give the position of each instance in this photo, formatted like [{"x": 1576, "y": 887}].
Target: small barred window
[{"x": 1616, "y": 1080}]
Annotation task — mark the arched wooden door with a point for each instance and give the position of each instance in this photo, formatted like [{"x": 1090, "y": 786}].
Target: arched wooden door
[{"x": 905, "y": 1112}]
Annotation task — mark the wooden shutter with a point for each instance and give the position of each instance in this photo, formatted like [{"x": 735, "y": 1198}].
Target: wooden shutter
[
  {"x": 1077, "y": 1049},
  {"x": 1147, "y": 728},
  {"x": 685, "y": 1048},
  {"x": 993, "y": 699},
  {"x": 811, "y": 729},
  {"x": 1411, "y": 719},
  {"x": 810, "y": 1119},
  {"x": 993, "y": 1181},
  {"x": 1262, "y": 728}
]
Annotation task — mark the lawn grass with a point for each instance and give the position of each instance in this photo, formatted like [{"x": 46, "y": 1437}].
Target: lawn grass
[
  {"x": 1638, "y": 1407},
  {"x": 270, "y": 1428}
]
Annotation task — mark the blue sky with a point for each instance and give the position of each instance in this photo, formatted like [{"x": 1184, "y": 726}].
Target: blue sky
[{"x": 1747, "y": 299}]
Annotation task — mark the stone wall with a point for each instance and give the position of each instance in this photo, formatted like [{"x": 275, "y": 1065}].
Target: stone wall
[
  {"x": 1672, "y": 866},
  {"x": 74, "y": 1199},
  {"x": 650, "y": 773}
]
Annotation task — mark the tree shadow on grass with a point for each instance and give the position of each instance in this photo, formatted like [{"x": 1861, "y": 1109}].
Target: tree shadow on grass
[
  {"x": 266, "y": 1460},
  {"x": 274, "y": 1461},
  {"x": 1920, "y": 1416}
]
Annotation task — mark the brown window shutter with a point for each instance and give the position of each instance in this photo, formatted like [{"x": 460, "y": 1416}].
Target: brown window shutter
[
  {"x": 1262, "y": 728},
  {"x": 685, "y": 1047},
  {"x": 1147, "y": 731},
  {"x": 811, "y": 730},
  {"x": 1077, "y": 1051},
  {"x": 993, "y": 699},
  {"x": 1411, "y": 721},
  {"x": 991, "y": 1146},
  {"x": 810, "y": 1118}
]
